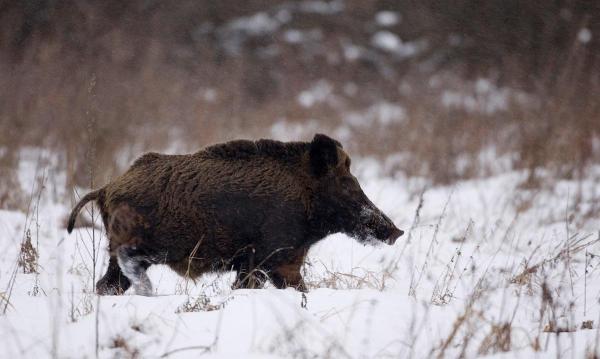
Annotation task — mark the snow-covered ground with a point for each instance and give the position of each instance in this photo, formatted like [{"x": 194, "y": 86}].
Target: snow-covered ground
[{"x": 485, "y": 268}]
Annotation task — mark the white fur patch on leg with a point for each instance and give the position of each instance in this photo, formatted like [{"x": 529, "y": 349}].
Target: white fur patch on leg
[{"x": 135, "y": 272}]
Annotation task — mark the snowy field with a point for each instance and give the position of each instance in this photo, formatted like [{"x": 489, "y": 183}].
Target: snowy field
[{"x": 486, "y": 268}]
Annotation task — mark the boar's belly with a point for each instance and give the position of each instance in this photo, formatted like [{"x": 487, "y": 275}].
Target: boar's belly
[{"x": 260, "y": 220}]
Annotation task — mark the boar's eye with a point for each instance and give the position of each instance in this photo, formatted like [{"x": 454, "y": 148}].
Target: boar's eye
[{"x": 347, "y": 162}]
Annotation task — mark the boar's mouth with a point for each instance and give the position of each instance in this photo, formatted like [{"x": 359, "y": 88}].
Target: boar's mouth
[
  {"x": 396, "y": 233},
  {"x": 371, "y": 239},
  {"x": 375, "y": 227}
]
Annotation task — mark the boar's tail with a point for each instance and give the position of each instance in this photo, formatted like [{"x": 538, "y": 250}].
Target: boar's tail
[{"x": 88, "y": 197}]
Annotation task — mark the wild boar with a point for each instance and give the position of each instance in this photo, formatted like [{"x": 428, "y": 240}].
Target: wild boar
[{"x": 248, "y": 206}]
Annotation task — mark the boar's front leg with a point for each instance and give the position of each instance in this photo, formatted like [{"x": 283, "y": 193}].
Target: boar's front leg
[
  {"x": 285, "y": 276},
  {"x": 248, "y": 279},
  {"x": 288, "y": 274},
  {"x": 247, "y": 274}
]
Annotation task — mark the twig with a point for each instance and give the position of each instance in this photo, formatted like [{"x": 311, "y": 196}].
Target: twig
[
  {"x": 585, "y": 273},
  {"x": 572, "y": 248},
  {"x": 568, "y": 253},
  {"x": 457, "y": 325},
  {"x": 205, "y": 349},
  {"x": 415, "y": 223},
  {"x": 413, "y": 289}
]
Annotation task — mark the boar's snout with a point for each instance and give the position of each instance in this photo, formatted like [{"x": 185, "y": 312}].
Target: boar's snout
[
  {"x": 396, "y": 233},
  {"x": 378, "y": 225}
]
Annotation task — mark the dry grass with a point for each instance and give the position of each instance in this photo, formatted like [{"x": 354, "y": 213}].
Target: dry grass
[
  {"x": 444, "y": 290},
  {"x": 172, "y": 82},
  {"x": 587, "y": 324},
  {"x": 202, "y": 303},
  {"x": 497, "y": 340},
  {"x": 359, "y": 279},
  {"x": 574, "y": 245},
  {"x": 460, "y": 322}
]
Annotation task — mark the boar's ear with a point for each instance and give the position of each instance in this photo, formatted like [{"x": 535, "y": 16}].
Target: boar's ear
[{"x": 323, "y": 154}]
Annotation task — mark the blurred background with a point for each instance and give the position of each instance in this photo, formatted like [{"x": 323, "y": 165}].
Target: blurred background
[{"x": 442, "y": 90}]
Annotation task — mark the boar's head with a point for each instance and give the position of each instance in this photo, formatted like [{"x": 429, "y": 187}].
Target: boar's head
[{"x": 339, "y": 203}]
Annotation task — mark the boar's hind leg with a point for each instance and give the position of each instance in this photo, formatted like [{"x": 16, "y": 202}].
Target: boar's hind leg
[
  {"x": 288, "y": 274},
  {"x": 133, "y": 264},
  {"x": 126, "y": 232},
  {"x": 113, "y": 282}
]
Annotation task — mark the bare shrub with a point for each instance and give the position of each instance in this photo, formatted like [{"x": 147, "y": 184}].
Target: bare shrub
[
  {"x": 28, "y": 255},
  {"x": 120, "y": 343},
  {"x": 498, "y": 340}
]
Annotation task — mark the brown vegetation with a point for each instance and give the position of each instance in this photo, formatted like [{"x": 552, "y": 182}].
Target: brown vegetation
[
  {"x": 28, "y": 256},
  {"x": 108, "y": 80}
]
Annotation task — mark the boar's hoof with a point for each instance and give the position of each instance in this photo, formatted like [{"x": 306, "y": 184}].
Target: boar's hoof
[
  {"x": 104, "y": 288},
  {"x": 300, "y": 287},
  {"x": 113, "y": 282},
  {"x": 290, "y": 281}
]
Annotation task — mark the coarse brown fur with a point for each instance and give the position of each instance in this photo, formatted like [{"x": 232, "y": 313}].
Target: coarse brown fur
[{"x": 250, "y": 206}]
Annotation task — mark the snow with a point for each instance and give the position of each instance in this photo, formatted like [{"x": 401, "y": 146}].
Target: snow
[
  {"x": 234, "y": 33},
  {"x": 321, "y": 7},
  {"x": 584, "y": 35},
  {"x": 289, "y": 131},
  {"x": 209, "y": 95},
  {"x": 382, "y": 113},
  {"x": 461, "y": 254},
  {"x": 483, "y": 97},
  {"x": 387, "y": 40},
  {"x": 295, "y": 36},
  {"x": 318, "y": 93},
  {"x": 257, "y": 24},
  {"x": 387, "y": 18},
  {"x": 390, "y": 42},
  {"x": 352, "y": 52}
]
